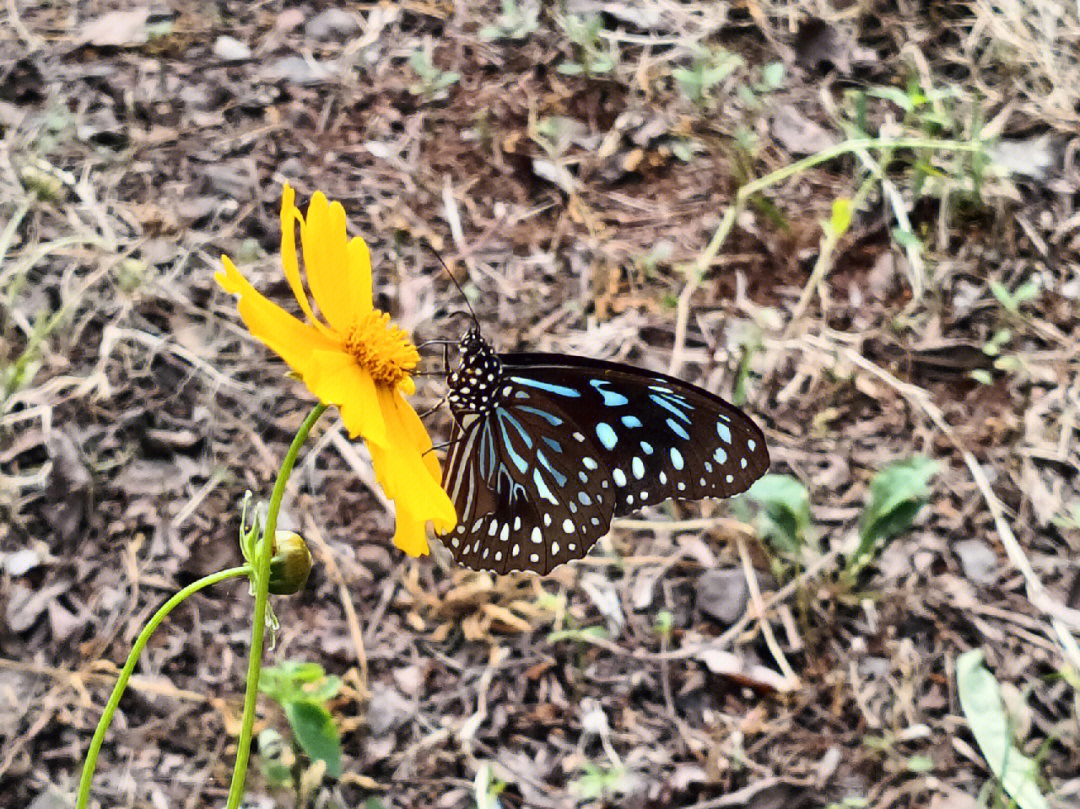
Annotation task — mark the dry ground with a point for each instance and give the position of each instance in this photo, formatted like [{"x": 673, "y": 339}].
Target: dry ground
[{"x": 135, "y": 411}]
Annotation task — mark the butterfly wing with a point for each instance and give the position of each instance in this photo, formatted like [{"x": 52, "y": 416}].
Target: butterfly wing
[
  {"x": 574, "y": 442},
  {"x": 525, "y": 500}
]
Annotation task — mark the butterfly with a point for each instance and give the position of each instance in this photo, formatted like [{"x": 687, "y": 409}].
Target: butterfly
[{"x": 546, "y": 449}]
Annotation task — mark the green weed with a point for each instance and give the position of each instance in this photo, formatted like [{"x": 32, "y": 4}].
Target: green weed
[
  {"x": 434, "y": 82},
  {"x": 784, "y": 520},
  {"x": 597, "y": 783},
  {"x": 708, "y": 69},
  {"x": 592, "y": 58},
  {"x": 982, "y": 704},
  {"x": 302, "y": 690},
  {"x": 897, "y": 494},
  {"x": 516, "y": 21}
]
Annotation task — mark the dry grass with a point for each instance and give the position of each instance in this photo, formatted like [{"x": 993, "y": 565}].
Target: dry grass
[{"x": 137, "y": 411}]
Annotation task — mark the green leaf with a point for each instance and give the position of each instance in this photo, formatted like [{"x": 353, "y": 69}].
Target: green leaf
[
  {"x": 446, "y": 79},
  {"x": 1029, "y": 290},
  {"x": 840, "y": 220},
  {"x": 772, "y": 76},
  {"x": 893, "y": 94},
  {"x": 1008, "y": 364},
  {"x": 897, "y": 493},
  {"x": 323, "y": 690},
  {"x": 980, "y": 700},
  {"x": 602, "y": 64},
  {"x": 689, "y": 82},
  {"x": 419, "y": 61},
  {"x": 571, "y": 69},
  {"x": 316, "y": 733},
  {"x": 583, "y": 634},
  {"x": 682, "y": 150},
  {"x": 786, "y": 511},
  {"x": 285, "y": 681},
  {"x": 905, "y": 238},
  {"x": 982, "y": 376},
  {"x": 1004, "y": 297}
]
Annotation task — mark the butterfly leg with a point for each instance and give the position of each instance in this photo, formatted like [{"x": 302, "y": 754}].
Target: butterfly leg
[
  {"x": 433, "y": 408},
  {"x": 444, "y": 445}
]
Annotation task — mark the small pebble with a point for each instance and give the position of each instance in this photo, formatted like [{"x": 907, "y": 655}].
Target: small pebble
[
  {"x": 979, "y": 562},
  {"x": 334, "y": 23},
  {"x": 722, "y": 594},
  {"x": 231, "y": 49}
]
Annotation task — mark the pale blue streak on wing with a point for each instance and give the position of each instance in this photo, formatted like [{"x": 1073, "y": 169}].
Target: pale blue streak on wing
[
  {"x": 558, "y": 390},
  {"x": 631, "y": 421},
  {"x": 611, "y": 399},
  {"x": 551, "y": 442},
  {"x": 550, "y": 418},
  {"x": 560, "y": 480},
  {"x": 542, "y": 487},
  {"x": 519, "y": 461},
  {"x": 487, "y": 452},
  {"x": 503, "y": 415},
  {"x": 678, "y": 429},
  {"x": 664, "y": 403}
]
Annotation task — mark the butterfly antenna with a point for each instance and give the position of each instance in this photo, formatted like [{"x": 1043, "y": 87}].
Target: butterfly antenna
[{"x": 454, "y": 281}]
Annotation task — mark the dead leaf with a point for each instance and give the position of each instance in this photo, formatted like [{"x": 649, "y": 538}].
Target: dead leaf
[
  {"x": 730, "y": 665},
  {"x": 554, "y": 173},
  {"x": 799, "y": 134},
  {"x": 26, "y": 605},
  {"x": 1032, "y": 157},
  {"x": 68, "y": 487},
  {"x": 118, "y": 29}
]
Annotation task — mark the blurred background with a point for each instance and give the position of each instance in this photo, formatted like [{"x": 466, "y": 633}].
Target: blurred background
[{"x": 902, "y": 323}]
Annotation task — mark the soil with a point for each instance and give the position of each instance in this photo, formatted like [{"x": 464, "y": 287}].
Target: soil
[{"x": 138, "y": 146}]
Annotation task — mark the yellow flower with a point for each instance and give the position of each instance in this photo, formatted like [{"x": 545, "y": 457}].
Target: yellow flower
[{"x": 351, "y": 356}]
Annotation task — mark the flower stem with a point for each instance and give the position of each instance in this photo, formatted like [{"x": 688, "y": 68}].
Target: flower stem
[
  {"x": 133, "y": 657},
  {"x": 258, "y": 627}
]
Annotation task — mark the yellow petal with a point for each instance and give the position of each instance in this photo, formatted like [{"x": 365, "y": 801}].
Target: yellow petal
[
  {"x": 290, "y": 215},
  {"x": 412, "y": 479},
  {"x": 359, "y": 261},
  {"x": 336, "y": 379},
  {"x": 326, "y": 263},
  {"x": 418, "y": 436},
  {"x": 293, "y": 340},
  {"x": 411, "y": 536}
]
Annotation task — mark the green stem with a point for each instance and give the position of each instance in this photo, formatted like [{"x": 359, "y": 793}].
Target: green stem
[
  {"x": 706, "y": 257},
  {"x": 262, "y": 593},
  {"x": 712, "y": 249},
  {"x": 140, "y": 643}
]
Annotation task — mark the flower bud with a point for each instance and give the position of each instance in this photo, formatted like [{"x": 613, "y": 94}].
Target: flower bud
[{"x": 290, "y": 565}]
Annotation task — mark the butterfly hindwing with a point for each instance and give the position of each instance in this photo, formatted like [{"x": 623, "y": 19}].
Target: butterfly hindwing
[{"x": 542, "y": 509}]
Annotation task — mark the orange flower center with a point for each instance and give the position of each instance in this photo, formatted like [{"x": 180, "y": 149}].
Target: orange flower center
[{"x": 381, "y": 348}]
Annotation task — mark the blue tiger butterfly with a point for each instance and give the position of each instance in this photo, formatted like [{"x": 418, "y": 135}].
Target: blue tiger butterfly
[{"x": 546, "y": 449}]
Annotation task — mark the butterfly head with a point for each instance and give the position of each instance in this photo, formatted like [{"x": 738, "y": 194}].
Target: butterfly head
[{"x": 474, "y": 384}]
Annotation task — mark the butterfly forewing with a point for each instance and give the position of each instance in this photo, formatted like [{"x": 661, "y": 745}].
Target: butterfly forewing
[
  {"x": 567, "y": 443},
  {"x": 659, "y": 437}
]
